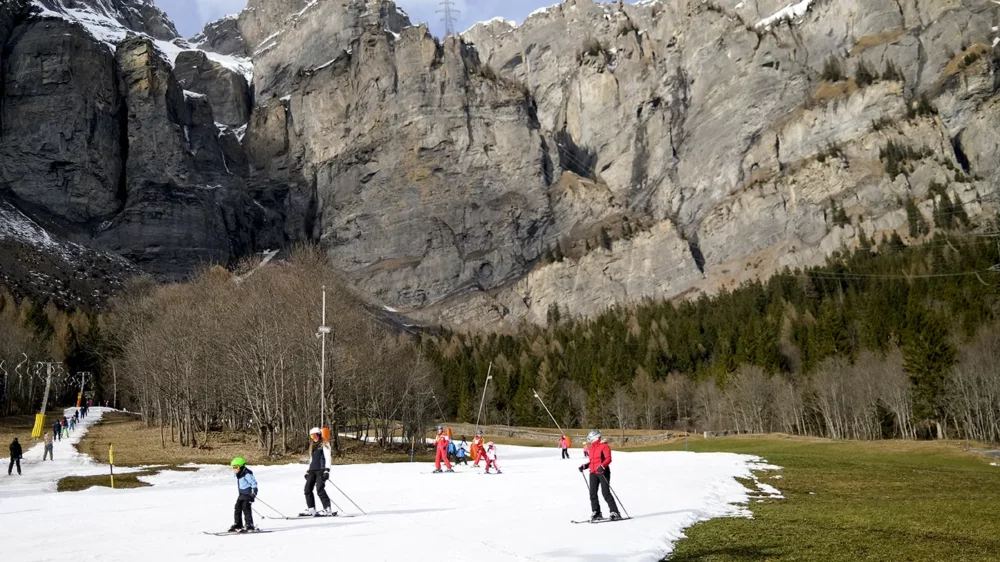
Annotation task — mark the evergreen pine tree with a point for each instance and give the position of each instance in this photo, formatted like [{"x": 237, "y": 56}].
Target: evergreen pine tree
[{"x": 927, "y": 358}]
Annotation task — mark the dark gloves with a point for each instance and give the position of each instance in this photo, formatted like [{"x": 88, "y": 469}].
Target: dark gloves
[
  {"x": 600, "y": 470},
  {"x": 306, "y": 476},
  {"x": 326, "y": 475},
  {"x": 583, "y": 467}
]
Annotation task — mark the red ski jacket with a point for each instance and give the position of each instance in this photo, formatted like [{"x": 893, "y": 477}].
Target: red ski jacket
[{"x": 600, "y": 455}]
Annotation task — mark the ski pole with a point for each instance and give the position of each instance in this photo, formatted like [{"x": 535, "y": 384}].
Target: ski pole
[
  {"x": 269, "y": 506},
  {"x": 620, "y": 504},
  {"x": 585, "y": 481},
  {"x": 348, "y": 497}
]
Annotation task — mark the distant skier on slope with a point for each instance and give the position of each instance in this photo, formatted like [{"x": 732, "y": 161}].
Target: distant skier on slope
[
  {"x": 477, "y": 447},
  {"x": 491, "y": 458},
  {"x": 564, "y": 445},
  {"x": 600, "y": 476},
  {"x": 15, "y": 457},
  {"x": 47, "y": 452},
  {"x": 320, "y": 460},
  {"x": 441, "y": 443},
  {"x": 247, "y": 484}
]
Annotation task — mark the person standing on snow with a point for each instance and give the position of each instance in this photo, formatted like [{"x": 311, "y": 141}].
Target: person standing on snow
[
  {"x": 564, "y": 445},
  {"x": 477, "y": 447},
  {"x": 491, "y": 458},
  {"x": 57, "y": 430},
  {"x": 441, "y": 444},
  {"x": 247, "y": 484},
  {"x": 48, "y": 447},
  {"x": 600, "y": 476},
  {"x": 320, "y": 459},
  {"x": 15, "y": 457}
]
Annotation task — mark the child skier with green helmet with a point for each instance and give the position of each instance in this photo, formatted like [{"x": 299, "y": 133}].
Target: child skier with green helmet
[{"x": 248, "y": 491}]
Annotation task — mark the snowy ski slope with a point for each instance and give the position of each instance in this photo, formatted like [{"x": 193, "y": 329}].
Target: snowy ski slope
[{"x": 413, "y": 515}]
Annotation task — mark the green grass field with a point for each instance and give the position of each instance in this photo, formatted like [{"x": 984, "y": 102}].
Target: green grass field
[{"x": 851, "y": 501}]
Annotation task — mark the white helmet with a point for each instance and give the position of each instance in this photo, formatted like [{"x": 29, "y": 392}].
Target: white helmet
[
  {"x": 594, "y": 436},
  {"x": 489, "y": 445},
  {"x": 315, "y": 431}
]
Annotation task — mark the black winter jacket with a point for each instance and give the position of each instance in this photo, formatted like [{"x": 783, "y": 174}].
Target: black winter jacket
[{"x": 15, "y": 450}]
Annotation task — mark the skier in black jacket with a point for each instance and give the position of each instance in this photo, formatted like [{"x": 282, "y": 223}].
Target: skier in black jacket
[
  {"x": 317, "y": 474},
  {"x": 15, "y": 457}
]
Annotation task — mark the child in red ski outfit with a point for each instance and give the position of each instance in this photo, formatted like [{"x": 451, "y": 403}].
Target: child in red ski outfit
[
  {"x": 491, "y": 458},
  {"x": 441, "y": 445},
  {"x": 477, "y": 447}
]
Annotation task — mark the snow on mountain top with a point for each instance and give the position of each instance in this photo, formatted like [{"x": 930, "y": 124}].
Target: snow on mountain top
[
  {"x": 523, "y": 514},
  {"x": 786, "y": 13},
  {"x": 17, "y": 226},
  {"x": 111, "y": 32}
]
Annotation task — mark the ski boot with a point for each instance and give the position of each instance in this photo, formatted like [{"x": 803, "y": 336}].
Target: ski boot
[
  {"x": 436, "y": 471},
  {"x": 248, "y": 529},
  {"x": 596, "y": 516},
  {"x": 311, "y": 512},
  {"x": 235, "y": 529},
  {"x": 450, "y": 470},
  {"x": 325, "y": 512},
  {"x": 499, "y": 472},
  {"x": 615, "y": 516}
]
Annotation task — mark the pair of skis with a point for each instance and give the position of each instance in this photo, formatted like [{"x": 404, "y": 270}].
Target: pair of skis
[
  {"x": 317, "y": 516},
  {"x": 227, "y": 533},
  {"x": 602, "y": 520}
]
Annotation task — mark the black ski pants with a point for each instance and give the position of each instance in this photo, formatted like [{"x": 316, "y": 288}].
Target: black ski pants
[
  {"x": 315, "y": 479},
  {"x": 14, "y": 461},
  {"x": 565, "y": 453},
  {"x": 602, "y": 481},
  {"x": 243, "y": 510}
]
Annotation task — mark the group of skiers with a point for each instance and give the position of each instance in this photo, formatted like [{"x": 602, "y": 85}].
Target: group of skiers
[
  {"x": 596, "y": 450},
  {"x": 60, "y": 428},
  {"x": 444, "y": 448},
  {"x": 318, "y": 472}
]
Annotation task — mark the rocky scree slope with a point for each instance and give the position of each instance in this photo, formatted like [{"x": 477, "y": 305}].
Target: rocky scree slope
[{"x": 590, "y": 155}]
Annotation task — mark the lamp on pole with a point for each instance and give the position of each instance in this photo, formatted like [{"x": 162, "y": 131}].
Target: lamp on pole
[{"x": 321, "y": 333}]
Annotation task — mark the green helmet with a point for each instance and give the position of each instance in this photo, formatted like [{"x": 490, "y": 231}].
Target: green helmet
[{"x": 238, "y": 461}]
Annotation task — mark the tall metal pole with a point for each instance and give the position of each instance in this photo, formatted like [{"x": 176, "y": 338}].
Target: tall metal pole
[
  {"x": 481, "y": 402},
  {"x": 323, "y": 331},
  {"x": 547, "y": 411},
  {"x": 48, "y": 385}
]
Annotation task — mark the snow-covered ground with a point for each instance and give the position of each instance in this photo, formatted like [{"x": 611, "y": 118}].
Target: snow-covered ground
[{"x": 523, "y": 514}]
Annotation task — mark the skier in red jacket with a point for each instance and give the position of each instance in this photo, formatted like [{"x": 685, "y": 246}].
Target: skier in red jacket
[
  {"x": 441, "y": 444},
  {"x": 600, "y": 476}
]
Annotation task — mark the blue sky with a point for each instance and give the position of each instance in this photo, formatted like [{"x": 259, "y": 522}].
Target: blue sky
[{"x": 191, "y": 15}]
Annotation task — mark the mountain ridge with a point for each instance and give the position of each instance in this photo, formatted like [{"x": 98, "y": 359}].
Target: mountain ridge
[{"x": 588, "y": 156}]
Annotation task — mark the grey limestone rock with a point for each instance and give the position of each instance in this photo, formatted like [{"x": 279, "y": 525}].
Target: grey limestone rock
[{"x": 226, "y": 90}]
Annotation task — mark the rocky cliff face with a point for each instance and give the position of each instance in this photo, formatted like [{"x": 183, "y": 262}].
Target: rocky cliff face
[
  {"x": 593, "y": 154},
  {"x": 101, "y": 146}
]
